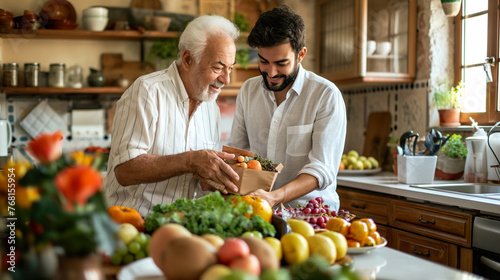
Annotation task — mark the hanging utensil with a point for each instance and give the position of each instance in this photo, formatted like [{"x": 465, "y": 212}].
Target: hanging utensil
[
  {"x": 429, "y": 141},
  {"x": 414, "y": 138}
]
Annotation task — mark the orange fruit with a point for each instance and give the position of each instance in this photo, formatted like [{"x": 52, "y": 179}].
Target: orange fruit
[
  {"x": 341, "y": 166},
  {"x": 372, "y": 226},
  {"x": 376, "y": 236},
  {"x": 368, "y": 241},
  {"x": 358, "y": 230},
  {"x": 241, "y": 159},
  {"x": 254, "y": 164},
  {"x": 351, "y": 243},
  {"x": 338, "y": 225}
]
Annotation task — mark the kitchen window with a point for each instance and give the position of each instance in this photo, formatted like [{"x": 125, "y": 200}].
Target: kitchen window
[{"x": 476, "y": 59}]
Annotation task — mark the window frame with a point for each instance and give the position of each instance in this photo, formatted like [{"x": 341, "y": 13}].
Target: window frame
[{"x": 492, "y": 115}]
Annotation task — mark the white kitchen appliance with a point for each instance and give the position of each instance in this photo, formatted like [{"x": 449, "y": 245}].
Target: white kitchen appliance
[{"x": 5, "y": 137}]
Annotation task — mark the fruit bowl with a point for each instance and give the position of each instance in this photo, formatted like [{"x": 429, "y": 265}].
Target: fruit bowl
[
  {"x": 366, "y": 249},
  {"x": 359, "y": 172}
]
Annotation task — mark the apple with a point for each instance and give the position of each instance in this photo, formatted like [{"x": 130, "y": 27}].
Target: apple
[
  {"x": 231, "y": 249},
  {"x": 249, "y": 264},
  {"x": 126, "y": 233}
]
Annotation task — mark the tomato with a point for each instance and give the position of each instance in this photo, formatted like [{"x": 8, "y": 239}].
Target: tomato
[
  {"x": 254, "y": 164},
  {"x": 241, "y": 159}
]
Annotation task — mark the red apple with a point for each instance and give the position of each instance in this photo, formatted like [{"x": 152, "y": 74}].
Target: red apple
[
  {"x": 231, "y": 249},
  {"x": 249, "y": 264}
]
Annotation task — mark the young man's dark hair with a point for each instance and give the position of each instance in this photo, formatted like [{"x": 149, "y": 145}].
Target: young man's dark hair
[{"x": 278, "y": 26}]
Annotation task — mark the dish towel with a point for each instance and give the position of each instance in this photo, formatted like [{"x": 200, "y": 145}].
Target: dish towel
[{"x": 43, "y": 119}]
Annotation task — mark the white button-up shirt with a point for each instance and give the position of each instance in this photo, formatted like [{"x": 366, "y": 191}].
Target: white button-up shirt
[
  {"x": 152, "y": 117},
  {"x": 306, "y": 132}
]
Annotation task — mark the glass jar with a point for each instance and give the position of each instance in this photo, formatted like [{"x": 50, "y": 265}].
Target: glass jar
[
  {"x": 10, "y": 74},
  {"x": 32, "y": 74},
  {"x": 57, "y": 75}
]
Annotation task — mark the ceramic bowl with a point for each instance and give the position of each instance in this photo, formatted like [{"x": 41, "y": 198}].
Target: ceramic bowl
[
  {"x": 95, "y": 12},
  {"x": 371, "y": 46},
  {"x": 383, "y": 48},
  {"x": 95, "y": 23},
  {"x": 161, "y": 23}
]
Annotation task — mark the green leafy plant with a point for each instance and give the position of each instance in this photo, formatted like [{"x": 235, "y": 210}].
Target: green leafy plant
[
  {"x": 241, "y": 22},
  {"x": 163, "y": 51},
  {"x": 455, "y": 147},
  {"x": 446, "y": 97},
  {"x": 242, "y": 57}
]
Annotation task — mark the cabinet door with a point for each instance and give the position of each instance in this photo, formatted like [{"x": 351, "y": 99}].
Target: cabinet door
[
  {"x": 436, "y": 222},
  {"x": 426, "y": 248},
  {"x": 365, "y": 205},
  {"x": 366, "y": 40}
]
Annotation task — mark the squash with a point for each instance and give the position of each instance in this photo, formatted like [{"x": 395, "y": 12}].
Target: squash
[{"x": 123, "y": 214}]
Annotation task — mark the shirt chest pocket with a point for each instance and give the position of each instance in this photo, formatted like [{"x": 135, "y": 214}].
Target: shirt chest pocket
[{"x": 299, "y": 140}]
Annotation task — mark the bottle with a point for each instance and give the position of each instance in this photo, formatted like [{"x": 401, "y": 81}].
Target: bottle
[
  {"x": 57, "y": 75},
  {"x": 31, "y": 74},
  {"x": 10, "y": 71}
]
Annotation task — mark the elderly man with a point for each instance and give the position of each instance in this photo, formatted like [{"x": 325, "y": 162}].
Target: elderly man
[{"x": 166, "y": 128}]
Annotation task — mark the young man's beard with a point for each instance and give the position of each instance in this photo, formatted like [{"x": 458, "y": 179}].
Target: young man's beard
[{"x": 287, "y": 81}]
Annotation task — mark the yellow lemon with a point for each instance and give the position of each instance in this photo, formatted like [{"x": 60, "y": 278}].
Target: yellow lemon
[
  {"x": 295, "y": 248},
  {"x": 323, "y": 246},
  {"x": 276, "y": 244},
  {"x": 301, "y": 227},
  {"x": 340, "y": 242}
]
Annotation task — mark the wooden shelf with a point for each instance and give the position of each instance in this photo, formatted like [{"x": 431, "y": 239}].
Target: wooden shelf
[
  {"x": 42, "y": 91},
  {"x": 88, "y": 35}
]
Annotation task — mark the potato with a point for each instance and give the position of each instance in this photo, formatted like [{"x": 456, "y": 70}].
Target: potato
[
  {"x": 187, "y": 257},
  {"x": 263, "y": 251}
]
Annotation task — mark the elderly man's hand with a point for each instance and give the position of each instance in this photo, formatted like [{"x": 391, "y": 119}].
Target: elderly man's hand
[{"x": 209, "y": 164}]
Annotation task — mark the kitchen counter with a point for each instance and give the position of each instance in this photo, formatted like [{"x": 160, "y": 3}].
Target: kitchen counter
[
  {"x": 383, "y": 263},
  {"x": 387, "y": 183},
  {"x": 389, "y": 264}
]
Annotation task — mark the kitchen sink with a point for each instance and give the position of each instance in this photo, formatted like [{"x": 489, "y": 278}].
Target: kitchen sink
[{"x": 464, "y": 188}]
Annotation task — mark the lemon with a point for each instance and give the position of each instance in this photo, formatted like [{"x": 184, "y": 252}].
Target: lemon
[
  {"x": 301, "y": 227},
  {"x": 353, "y": 153},
  {"x": 340, "y": 242},
  {"x": 276, "y": 244},
  {"x": 323, "y": 246},
  {"x": 295, "y": 248}
]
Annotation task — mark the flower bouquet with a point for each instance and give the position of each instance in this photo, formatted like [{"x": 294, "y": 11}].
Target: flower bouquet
[{"x": 55, "y": 210}]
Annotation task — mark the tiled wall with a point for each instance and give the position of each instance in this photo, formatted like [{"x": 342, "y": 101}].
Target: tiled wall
[
  {"x": 17, "y": 109},
  {"x": 407, "y": 104}
]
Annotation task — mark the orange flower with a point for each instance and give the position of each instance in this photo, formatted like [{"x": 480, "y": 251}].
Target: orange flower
[
  {"x": 78, "y": 183},
  {"x": 46, "y": 147}
]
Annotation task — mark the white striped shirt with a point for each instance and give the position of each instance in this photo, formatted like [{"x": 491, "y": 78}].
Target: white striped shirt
[
  {"x": 152, "y": 117},
  {"x": 306, "y": 132}
]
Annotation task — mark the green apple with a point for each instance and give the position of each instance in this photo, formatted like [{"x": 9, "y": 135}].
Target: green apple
[{"x": 126, "y": 233}]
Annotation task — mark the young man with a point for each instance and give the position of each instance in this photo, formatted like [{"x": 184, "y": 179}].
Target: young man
[
  {"x": 167, "y": 124},
  {"x": 290, "y": 115}
]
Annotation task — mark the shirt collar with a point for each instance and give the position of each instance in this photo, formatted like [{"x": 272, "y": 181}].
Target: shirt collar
[{"x": 173, "y": 71}]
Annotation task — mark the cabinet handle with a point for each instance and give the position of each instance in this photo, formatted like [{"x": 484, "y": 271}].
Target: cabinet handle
[
  {"x": 417, "y": 252},
  {"x": 421, "y": 219},
  {"x": 362, "y": 207}
]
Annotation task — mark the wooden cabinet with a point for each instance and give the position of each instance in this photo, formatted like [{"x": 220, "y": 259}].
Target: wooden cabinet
[
  {"x": 438, "y": 233},
  {"x": 426, "y": 248},
  {"x": 366, "y": 40},
  {"x": 434, "y": 221},
  {"x": 364, "y": 205}
]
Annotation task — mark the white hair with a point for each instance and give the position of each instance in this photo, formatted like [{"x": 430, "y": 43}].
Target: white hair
[{"x": 194, "y": 37}]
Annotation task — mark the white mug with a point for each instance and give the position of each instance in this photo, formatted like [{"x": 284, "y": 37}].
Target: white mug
[{"x": 5, "y": 137}]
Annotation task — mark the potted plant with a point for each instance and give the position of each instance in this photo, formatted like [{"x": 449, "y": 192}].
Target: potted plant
[
  {"x": 451, "y": 160},
  {"x": 163, "y": 52},
  {"x": 448, "y": 102}
]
